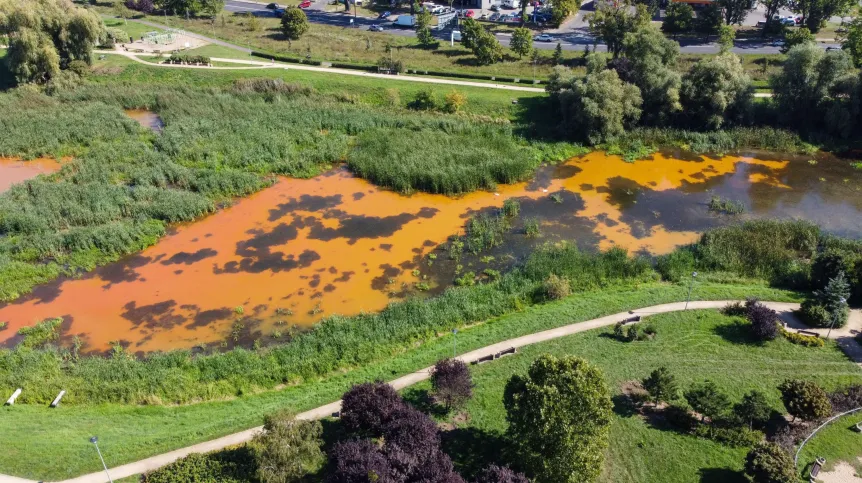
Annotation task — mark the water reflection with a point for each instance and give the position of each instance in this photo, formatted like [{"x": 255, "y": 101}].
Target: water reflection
[
  {"x": 146, "y": 118},
  {"x": 304, "y": 249}
]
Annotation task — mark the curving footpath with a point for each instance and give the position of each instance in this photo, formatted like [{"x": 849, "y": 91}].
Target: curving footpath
[{"x": 843, "y": 337}]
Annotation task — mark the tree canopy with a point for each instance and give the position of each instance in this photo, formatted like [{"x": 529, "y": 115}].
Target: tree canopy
[
  {"x": 613, "y": 20},
  {"x": 46, "y": 35},
  {"x": 294, "y": 23},
  {"x": 559, "y": 417},
  {"x": 653, "y": 60}
]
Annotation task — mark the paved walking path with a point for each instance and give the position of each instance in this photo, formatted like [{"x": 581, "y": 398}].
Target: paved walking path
[
  {"x": 257, "y": 64},
  {"x": 843, "y": 336}
]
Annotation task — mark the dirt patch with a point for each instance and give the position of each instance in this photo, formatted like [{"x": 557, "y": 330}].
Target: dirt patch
[{"x": 843, "y": 472}]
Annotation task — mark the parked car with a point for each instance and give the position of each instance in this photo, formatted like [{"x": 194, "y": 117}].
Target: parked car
[
  {"x": 375, "y": 28},
  {"x": 543, "y": 38},
  {"x": 778, "y": 43},
  {"x": 278, "y": 12},
  {"x": 305, "y": 4},
  {"x": 469, "y": 13},
  {"x": 384, "y": 15},
  {"x": 273, "y": 6},
  {"x": 495, "y": 8},
  {"x": 484, "y": 16},
  {"x": 494, "y": 17}
]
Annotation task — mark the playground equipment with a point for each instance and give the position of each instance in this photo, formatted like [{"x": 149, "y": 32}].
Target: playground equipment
[{"x": 161, "y": 38}]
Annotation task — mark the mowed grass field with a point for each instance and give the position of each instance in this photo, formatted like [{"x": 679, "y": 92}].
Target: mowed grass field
[
  {"x": 129, "y": 433},
  {"x": 838, "y": 442},
  {"x": 694, "y": 345}
]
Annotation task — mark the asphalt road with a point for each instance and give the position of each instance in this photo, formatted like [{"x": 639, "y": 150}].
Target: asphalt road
[{"x": 574, "y": 39}]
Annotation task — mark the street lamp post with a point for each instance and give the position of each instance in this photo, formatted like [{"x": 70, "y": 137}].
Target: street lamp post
[
  {"x": 841, "y": 303},
  {"x": 690, "y": 286},
  {"x": 95, "y": 441},
  {"x": 454, "y": 343}
]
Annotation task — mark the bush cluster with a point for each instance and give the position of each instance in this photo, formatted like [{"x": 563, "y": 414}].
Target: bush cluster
[{"x": 177, "y": 58}]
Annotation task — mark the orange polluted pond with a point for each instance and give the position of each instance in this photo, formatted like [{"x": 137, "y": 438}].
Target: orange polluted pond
[
  {"x": 15, "y": 170},
  {"x": 305, "y": 249}
]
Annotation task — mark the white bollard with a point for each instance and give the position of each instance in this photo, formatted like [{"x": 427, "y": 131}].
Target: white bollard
[{"x": 14, "y": 396}]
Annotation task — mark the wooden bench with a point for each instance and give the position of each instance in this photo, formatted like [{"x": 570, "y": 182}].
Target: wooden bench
[
  {"x": 631, "y": 320},
  {"x": 56, "y": 401},
  {"x": 815, "y": 470},
  {"x": 509, "y": 351},
  {"x": 336, "y": 414},
  {"x": 808, "y": 332},
  {"x": 488, "y": 358},
  {"x": 13, "y": 397}
]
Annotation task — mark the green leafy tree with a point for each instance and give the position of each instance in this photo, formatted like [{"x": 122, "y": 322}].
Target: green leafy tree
[
  {"x": 470, "y": 32},
  {"x": 47, "y": 34},
  {"x": 522, "y": 42},
  {"x": 707, "y": 399},
  {"x": 726, "y": 36},
  {"x": 816, "y": 12},
  {"x": 768, "y": 463},
  {"x": 294, "y": 24},
  {"x": 423, "y": 28},
  {"x": 487, "y": 49},
  {"x": 805, "y": 399},
  {"x": 753, "y": 409},
  {"x": 209, "y": 8},
  {"x": 613, "y": 20},
  {"x": 661, "y": 385},
  {"x": 652, "y": 61},
  {"x": 559, "y": 416},
  {"x": 734, "y": 11},
  {"x": 802, "y": 88},
  {"x": 678, "y": 19},
  {"x": 709, "y": 20},
  {"x": 851, "y": 41},
  {"x": 716, "y": 90},
  {"x": 287, "y": 449},
  {"x": 562, "y": 9},
  {"x": 524, "y": 4},
  {"x": 599, "y": 107},
  {"x": 796, "y": 37}
]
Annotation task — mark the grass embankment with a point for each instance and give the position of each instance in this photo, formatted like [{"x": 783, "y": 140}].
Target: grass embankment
[
  {"x": 695, "y": 345},
  {"x": 838, "y": 442},
  {"x": 128, "y": 433}
]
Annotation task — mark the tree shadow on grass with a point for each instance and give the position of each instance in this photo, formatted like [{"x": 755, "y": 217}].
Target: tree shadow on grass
[
  {"x": 452, "y": 53},
  {"x": 421, "y": 399},
  {"x": 473, "y": 449},
  {"x": 721, "y": 475},
  {"x": 737, "y": 332},
  {"x": 624, "y": 405}
]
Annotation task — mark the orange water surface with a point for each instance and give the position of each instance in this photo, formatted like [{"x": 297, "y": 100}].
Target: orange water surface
[
  {"x": 15, "y": 170},
  {"x": 305, "y": 249}
]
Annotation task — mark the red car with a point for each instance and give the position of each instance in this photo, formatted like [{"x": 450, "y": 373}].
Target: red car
[
  {"x": 305, "y": 4},
  {"x": 469, "y": 13}
]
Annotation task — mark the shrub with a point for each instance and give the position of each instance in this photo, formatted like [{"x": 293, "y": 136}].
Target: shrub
[
  {"x": 500, "y": 474},
  {"x": 294, "y": 23},
  {"x": 828, "y": 305},
  {"x": 814, "y": 314},
  {"x": 452, "y": 383},
  {"x": 358, "y": 461},
  {"x": 679, "y": 416},
  {"x": 412, "y": 432},
  {"x": 661, "y": 385},
  {"x": 753, "y": 410},
  {"x": 41, "y": 333},
  {"x": 803, "y": 340},
  {"x": 555, "y": 288},
  {"x": 734, "y": 309},
  {"x": 768, "y": 463},
  {"x": 424, "y": 100},
  {"x": 468, "y": 279},
  {"x": 225, "y": 466},
  {"x": 531, "y": 227},
  {"x": 805, "y": 399},
  {"x": 764, "y": 321},
  {"x": 846, "y": 399},
  {"x": 707, "y": 399},
  {"x": 367, "y": 408},
  {"x": 555, "y": 442},
  {"x": 734, "y": 436},
  {"x": 718, "y": 204},
  {"x": 287, "y": 449},
  {"x": 454, "y": 102}
]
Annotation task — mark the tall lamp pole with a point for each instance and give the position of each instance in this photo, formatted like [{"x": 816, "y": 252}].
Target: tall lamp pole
[
  {"x": 95, "y": 441},
  {"x": 841, "y": 303},
  {"x": 690, "y": 286},
  {"x": 454, "y": 343}
]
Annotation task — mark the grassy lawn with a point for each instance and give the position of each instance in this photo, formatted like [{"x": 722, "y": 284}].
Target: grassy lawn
[
  {"x": 129, "y": 433},
  {"x": 695, "y": 345},
  {"x": 133, "y": 29},
  {"x": 370, "y": 90},
  {"x": 338, "y": 44},
  {"x": 840, "y": 441}
]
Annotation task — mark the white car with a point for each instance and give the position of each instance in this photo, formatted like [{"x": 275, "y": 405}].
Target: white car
[
  {"x": 375, "y": 28},
  {"x": 543, "y": 38},
  {"x": 456, "y": 35}
]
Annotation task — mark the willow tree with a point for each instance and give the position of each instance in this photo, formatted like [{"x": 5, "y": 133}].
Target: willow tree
[{"x": 46, "y": 35}]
